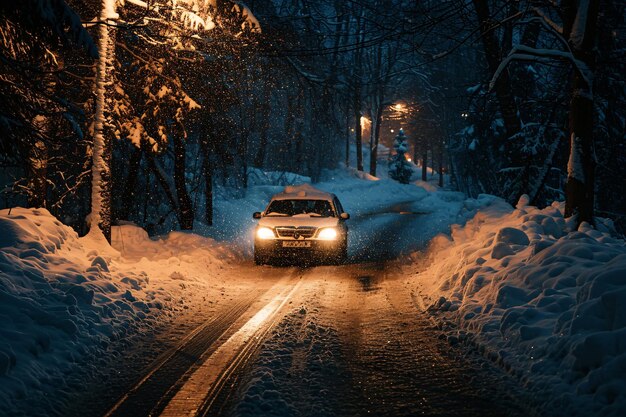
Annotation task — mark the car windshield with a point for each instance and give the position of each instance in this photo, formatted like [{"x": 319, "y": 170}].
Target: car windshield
[{"x": 319, "y": 208}]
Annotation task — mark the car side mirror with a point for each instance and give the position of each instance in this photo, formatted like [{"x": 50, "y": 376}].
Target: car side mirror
[
  {"x": 256, "y": 215},
  {"x": 344, "y": 216}
]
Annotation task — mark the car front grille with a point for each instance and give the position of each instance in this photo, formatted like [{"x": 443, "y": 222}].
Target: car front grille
[{"x": 291, "y": 232}]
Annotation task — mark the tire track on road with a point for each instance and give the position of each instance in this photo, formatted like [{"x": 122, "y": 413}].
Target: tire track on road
[
  {"x": 151, "y": 394},
  {"x": 208, "y": 388}
]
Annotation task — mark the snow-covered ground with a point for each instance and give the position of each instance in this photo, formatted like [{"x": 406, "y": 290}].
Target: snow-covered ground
[
  {"x": 66, "y": 300},
  {"x": 542, "y": 299}
]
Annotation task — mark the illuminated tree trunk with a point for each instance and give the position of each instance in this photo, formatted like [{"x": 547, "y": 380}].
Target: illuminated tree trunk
[{"x": 100, "y": 217}]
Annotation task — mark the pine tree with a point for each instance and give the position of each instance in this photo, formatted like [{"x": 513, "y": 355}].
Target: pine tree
[{"x": 399, "y": 168}]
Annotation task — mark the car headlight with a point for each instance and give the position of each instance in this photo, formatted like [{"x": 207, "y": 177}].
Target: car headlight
[
  {"x": 265, "y": 233},
  {"x": 327, "y": 234}
]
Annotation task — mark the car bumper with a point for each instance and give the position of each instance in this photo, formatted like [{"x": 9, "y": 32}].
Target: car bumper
[{"x": 274, "y": 248}]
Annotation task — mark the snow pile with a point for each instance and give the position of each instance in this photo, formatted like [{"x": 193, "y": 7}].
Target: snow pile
[
  {"x": 64, "y": 301},
  {"x": 174, "y": 248},
  {"x": 547, "y": 302}
]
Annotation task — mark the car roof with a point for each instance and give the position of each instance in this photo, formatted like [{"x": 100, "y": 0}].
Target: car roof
[{"x": 303, "y": 192}]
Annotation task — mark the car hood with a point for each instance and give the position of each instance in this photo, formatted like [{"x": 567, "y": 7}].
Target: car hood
[{"x": 297, "y": 221}]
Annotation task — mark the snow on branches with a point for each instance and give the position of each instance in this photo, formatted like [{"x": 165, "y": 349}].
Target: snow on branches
[
  {"x": 526, "y": 53},
  {"x": 399, "y": 168}
]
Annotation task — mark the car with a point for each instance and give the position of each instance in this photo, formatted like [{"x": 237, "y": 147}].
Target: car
[{"x": 301, "y": 223}]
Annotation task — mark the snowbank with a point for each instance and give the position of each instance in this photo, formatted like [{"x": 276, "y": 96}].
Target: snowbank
[
  {"x": 64, "y": 303},
  {"x": 545, "y": 301}
]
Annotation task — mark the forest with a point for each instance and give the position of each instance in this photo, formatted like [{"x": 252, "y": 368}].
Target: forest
[{"x": 147, "y": 111}]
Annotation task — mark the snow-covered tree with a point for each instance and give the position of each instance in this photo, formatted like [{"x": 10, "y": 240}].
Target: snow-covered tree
[
  {"x": 100, "y": 216},
  {"x": 35, "y": 109},
  {"x": 575, "y": 39},
  {"x": 173, "y": 30},
  {"x": 399, "y": 169}
]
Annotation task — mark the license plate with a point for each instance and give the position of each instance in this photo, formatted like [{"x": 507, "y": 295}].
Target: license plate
[{"x": 296, "y": 244}]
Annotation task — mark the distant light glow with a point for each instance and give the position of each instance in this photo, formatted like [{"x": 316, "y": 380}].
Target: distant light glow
[
  {"x": 364, "y": 122},
  {"x": 398, "y": 107},
  {"x": 391, "y": 130},
  {"x": 408, "y": 159}
]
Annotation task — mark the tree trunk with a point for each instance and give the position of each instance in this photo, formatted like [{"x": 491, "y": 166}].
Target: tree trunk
[
  {"x": 372, "y": 146},
  {"x": 290, "y": 133},
  {"x": 424, "y": 159},
  {"x": 376, "y": 122},
  {"x": 441, "y": 164},
  {"x": 37, "y": 161},
  {"x": 100, "y": 216},
  {"x": 298, "y": 137},
  {"x": 185, "y": 206},
  {"x": 493, "y": 56},
  {"x": 432, "y": 163},
  {"x": 579, "y": 197},
  {"x": 130, "y": 186},
  {"x": 107, "y": 187},
  {"x": 208, "y": 190},
  {"x": 357, "y": 91},
  {"x": 357, "y": 128},
  {"x": 347, "y": 136},
  {"x": 165, "y": 185},
  {"x": 243, "y": 153},
  {"x": 37, "y": 167},
  {"x": 266, "y": 108},
  {"x": 580, "y": 193}
]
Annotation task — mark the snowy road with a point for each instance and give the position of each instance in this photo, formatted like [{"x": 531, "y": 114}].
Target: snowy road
[
  {"x": 328, "y": 340},
  {"x": 358, "y": 342},
  {"x": 345, "y": 340}
]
